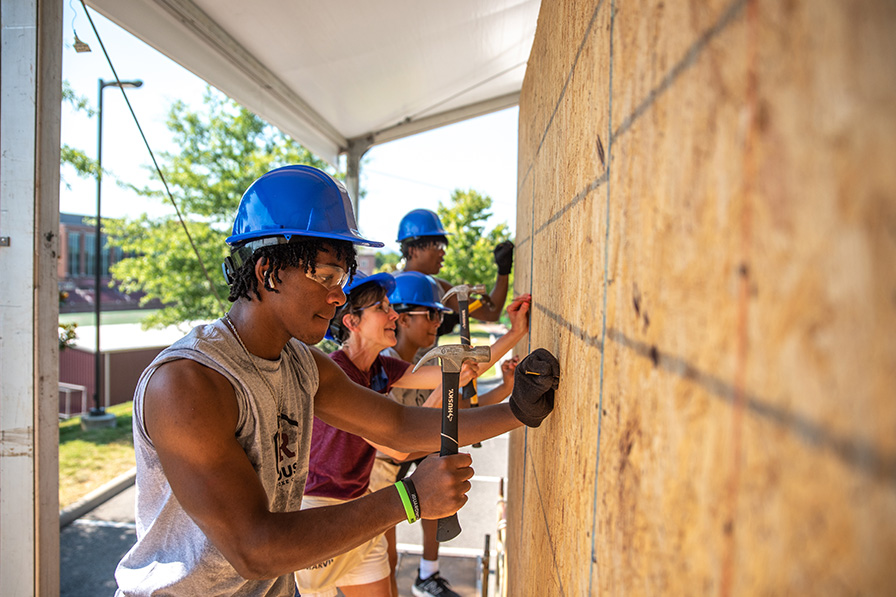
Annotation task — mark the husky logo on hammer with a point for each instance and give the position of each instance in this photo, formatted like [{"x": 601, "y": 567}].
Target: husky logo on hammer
[{"x": 450, "y": 403}]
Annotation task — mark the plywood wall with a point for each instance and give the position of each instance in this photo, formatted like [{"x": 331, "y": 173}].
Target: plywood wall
[{"x": 707, "y": 224}]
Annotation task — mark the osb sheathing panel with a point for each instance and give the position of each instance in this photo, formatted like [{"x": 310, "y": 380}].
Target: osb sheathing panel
[{"x": 707, "y": 223}]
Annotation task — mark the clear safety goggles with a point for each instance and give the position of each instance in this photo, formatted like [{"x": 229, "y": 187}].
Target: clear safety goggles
[{"x": 329, "y": 276}]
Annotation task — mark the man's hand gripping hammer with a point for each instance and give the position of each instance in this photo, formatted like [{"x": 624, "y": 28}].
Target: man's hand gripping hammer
[{"x": 453, "y": 356}]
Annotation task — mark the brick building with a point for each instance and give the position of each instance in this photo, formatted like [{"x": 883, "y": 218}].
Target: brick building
[{"x": 76, "y": 267}]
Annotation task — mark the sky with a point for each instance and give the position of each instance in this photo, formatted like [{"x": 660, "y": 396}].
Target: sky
[{"x": 417, "y": 171}]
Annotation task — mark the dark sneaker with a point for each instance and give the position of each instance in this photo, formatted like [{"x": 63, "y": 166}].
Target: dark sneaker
[{"x": 434, "y": 586}]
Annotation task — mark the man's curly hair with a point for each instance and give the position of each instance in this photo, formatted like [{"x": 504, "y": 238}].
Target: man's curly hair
[
  {"x": 301, "y": 252},
  {"x": 420, "y": 242}
]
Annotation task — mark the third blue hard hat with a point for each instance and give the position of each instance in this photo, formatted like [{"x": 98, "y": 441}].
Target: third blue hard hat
[{"x": 420, "y": 222}]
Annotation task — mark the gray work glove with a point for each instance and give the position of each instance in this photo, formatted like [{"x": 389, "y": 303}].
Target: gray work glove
[
  {"x": 504, "y": 257},
  {"x": 534, "y": 382}
]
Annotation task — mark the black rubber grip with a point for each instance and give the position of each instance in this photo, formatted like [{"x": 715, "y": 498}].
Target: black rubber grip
[{"x": 449, "y": 527}]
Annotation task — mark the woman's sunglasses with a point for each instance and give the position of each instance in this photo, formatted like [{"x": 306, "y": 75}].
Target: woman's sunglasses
[{"x": 431, "y": 314}]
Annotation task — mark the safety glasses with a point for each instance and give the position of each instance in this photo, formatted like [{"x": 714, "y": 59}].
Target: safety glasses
[
  {"x": 431, "y": 314},
  {"x": 329, "y": 276},
  {"x": 383, "y": 306}
]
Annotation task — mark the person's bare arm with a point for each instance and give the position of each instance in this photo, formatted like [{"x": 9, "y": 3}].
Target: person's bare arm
[
  {"x": 426, "y": 377},
  {"x": 434, "y": 400},
  {"x": 430, "y": 376},
  {"x": 353, "y": 408},
  {"x": 518, "y": 311},
  {"x": 190, "y": 414}
]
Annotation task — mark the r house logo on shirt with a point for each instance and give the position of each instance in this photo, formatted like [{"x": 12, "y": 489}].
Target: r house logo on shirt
[{"x": 286, "y": 446}]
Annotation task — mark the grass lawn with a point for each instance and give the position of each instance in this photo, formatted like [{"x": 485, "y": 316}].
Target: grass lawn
[
  {"x": 108, "y": 317},
  {"x": 87, "y": 459}
]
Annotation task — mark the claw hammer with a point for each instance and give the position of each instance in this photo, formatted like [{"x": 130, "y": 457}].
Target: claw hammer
[
  {"x": 453, "y": 357},
  {"x": 463, "y": 292}
]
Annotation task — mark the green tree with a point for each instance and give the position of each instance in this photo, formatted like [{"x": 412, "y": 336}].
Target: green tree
[
  {"x": 222, "y": 148},
  {"x": 386, "y": 261},
  {"x": 469, "y": 258}
]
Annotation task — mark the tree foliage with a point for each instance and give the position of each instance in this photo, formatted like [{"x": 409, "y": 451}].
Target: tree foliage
[
  {"x": 386, "y": 261},
  {"x": 469, "y": 258},
  {"x": 222, "y": 149}
]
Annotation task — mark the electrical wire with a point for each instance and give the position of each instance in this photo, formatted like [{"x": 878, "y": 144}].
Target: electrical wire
[{"x": 154, "y": 162}]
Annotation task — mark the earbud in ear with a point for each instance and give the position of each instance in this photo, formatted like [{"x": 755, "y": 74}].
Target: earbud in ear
[{"x": 268, "y": 282}]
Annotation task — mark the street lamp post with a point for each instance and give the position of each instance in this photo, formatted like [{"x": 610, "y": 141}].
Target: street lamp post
[{"x": 97, "y": 410}]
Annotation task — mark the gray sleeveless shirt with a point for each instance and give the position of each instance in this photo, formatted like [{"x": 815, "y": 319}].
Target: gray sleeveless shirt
[{"x": 172, "y": 555}]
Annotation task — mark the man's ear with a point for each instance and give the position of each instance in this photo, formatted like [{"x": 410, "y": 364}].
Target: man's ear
[
  {"x": 264, "y": 275},
  {"x": 404, "y": 320},
  {"x": 261, "y": 266}
]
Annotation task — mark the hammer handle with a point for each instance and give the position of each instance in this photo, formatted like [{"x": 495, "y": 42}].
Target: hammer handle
[
  {"x": 463, "y": 308},
  {"x": 449, "y": 527}
]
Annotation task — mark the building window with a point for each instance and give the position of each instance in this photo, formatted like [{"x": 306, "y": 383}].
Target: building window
[
  {"x": 74, "y": 254},
  {"x": 90, "y": 254},
  {"x": 106, "y": 263}
]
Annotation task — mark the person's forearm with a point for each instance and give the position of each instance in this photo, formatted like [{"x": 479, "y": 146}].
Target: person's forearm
[
  {"x": 282, "y": 543},
  {"x": 420, "y": 429},
  {"x": 495, "y": 395},
  {"x": 501, "y": 346},
  {"x": 498, "y": 296},
  {"x": 388, "y": 451}
]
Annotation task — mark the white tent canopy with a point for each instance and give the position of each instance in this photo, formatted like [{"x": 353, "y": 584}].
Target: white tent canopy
[{"x": 342, "y": 75}]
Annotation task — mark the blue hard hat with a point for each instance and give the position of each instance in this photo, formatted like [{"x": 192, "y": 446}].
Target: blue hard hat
[
  {"x": 414, "y": 288},
  {"x": 296, "y": 200},
  {"x": 420, "y": 222},
  {"x": 384, "y": 279}
]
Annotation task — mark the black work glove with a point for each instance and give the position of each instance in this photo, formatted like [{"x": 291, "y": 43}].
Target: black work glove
[
  {"x": 534, "y": 382},
  {"x": 504, "y": 257}
]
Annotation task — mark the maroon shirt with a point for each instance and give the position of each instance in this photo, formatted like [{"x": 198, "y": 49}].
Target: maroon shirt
[{"x": 340, "y": 462}]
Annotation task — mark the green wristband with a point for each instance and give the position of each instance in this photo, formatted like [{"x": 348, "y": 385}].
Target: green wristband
[{"x": 406, "y": 501}]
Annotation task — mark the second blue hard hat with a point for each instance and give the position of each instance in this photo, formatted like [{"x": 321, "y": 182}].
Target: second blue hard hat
[
  {"x": 384, "y": 279},
  {"x": 420, "y": 222}
]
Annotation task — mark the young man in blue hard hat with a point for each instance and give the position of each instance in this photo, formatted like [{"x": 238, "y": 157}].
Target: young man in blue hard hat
[
  {"x": 222, "y": 418},
  {"x": 423, "y": 242}
]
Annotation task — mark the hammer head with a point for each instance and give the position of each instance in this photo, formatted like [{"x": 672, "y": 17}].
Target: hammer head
[
  {"x": 463, "y": 291},
  {"x": 453, "y": 356}
]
